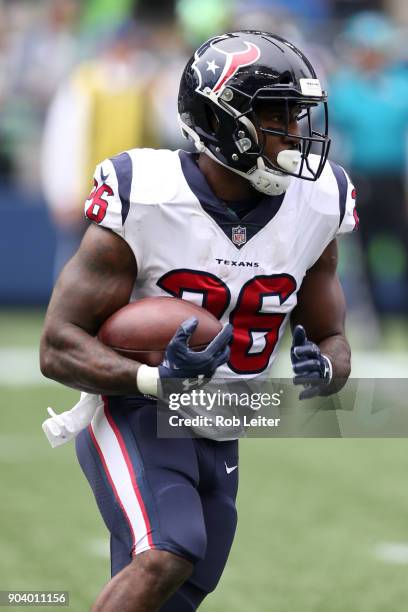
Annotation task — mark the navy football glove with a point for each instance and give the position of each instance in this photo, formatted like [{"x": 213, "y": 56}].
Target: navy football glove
[
  {"x": 182, "y": 362},
  {"x": 312, "y": 369}
]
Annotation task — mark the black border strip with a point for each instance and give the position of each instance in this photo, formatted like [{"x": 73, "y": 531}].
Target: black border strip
[
  {"x": 341, "y": 179},
  {"x": 124, "y": 172}
]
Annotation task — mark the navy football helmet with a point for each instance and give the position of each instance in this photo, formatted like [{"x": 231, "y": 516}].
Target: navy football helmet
[{"x": 228, "y": 78}]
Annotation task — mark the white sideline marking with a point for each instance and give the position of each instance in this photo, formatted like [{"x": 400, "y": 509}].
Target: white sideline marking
[
  {"x": 364, "y": 364},
  {"x": 377, "y": 364},
  {"x": 19, "y": 366},
  {"x": 390, "y": 552},
  {"x": 99, "y": 547}
]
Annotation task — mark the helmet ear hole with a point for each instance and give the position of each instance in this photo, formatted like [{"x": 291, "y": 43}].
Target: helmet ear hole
[{"x": 212, "y": 119}]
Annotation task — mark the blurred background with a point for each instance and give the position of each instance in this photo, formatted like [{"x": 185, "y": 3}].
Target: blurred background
[{"x": 322, "y": 521}]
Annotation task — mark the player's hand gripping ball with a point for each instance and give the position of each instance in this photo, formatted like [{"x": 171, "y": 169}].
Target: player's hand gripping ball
[
  {"x": 181, "y": 338},
  {"x": 312, "y": 369},
  {"x": 180, "y": 361}
]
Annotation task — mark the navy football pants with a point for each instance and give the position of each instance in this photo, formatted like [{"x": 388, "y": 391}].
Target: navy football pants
[{"x": 166, "y": 494}]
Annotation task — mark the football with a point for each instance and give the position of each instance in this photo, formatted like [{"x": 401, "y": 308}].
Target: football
[{"x": 142, "y": 330}]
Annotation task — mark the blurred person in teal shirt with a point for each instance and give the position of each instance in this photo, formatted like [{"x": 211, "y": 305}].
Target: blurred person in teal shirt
[{"x": 369, "y": 104}]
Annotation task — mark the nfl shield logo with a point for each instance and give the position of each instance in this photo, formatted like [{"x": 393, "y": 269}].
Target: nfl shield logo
[{"x": 239, "y": 235}]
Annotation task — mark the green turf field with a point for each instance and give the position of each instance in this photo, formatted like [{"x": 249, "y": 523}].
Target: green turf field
[{"x": 319, "y": 519}]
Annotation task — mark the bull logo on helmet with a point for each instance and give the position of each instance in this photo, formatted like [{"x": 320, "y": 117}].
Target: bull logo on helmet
[{"x": 214, "y": 70}]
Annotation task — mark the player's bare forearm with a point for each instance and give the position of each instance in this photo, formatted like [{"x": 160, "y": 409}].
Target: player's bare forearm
[
  {"x": 76, "y": 359},
  {"x": 337, "y": 349},
  {"x": 94, "y": 284},
  {"x": 321, "y": 310}
]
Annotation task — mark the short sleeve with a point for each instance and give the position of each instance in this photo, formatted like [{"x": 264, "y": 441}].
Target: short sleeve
[
  {"x": 348, "y": 218},
  {"x": 108, "y": 202}
]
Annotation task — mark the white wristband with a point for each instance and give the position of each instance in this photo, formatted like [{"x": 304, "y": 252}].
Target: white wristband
[{"x": 147, "y": 379}]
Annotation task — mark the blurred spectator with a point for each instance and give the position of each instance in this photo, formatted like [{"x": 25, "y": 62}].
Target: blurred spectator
[
  {"x": 153, "y": 12},
  {"x": 99, "y": 18},
  {"x": 280, "y": 19},
  {"x": 347, "y": 8},
  {"x": 399, "y": 11},
  {"x": 101, "y": 110},
  {"x": 46, "y": 47},
  {"x": 311, "y": 10},
  {"x": 201, "y": 20},
  {"x": 168, "y": 45},
  {"x": 103, "y": 15},
  {"x": 369, "y": 108},
  {"x": 39, "y": 51}
]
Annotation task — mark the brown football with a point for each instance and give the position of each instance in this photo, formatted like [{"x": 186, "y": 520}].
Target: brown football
[{"x": 142, "y": 330}]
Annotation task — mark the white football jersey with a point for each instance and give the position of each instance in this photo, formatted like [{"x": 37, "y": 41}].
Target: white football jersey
[{"x": 188, "y": 244}]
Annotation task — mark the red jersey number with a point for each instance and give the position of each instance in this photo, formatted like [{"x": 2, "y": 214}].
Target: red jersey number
[
  {"x": 97, "y": 208},
  {"x": 247, "y": 317}
]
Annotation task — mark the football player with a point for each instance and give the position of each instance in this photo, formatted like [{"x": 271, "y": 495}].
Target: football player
[{"x": 249, "y": 224}]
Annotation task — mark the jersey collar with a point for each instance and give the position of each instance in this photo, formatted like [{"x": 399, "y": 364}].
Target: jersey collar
[{"x": 255, "y": 220}]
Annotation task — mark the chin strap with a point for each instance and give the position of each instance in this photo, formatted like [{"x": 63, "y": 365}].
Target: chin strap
[
  {"x": 272, "y": 182},
  {"x": 267, "y": 181},
  {"x": 263, "y": 179}
]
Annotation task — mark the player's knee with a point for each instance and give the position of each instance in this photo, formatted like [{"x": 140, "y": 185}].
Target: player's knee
[
  {"x": 165, "y": 570},
  {"x": 183, "y": 527}
]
